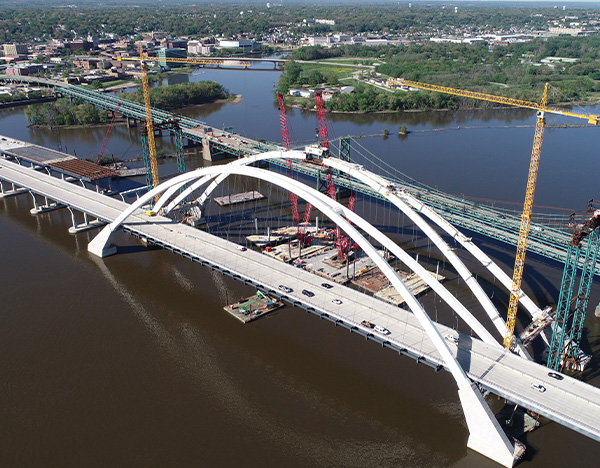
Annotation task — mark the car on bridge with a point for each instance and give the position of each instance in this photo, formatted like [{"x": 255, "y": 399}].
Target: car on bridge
[
  {"x": 555, "y": 375},
  {"x": 285, "y": 289},
  {"x": 308, "y": 293},
  {"x": 327, "y": 285},
  {"x": 540, "y": 388},
  {"x": 367, "y": 324},
  {"x": 383, "y": 330},
  {"x": 337, "y": 301},
  {"x": 451, "y": 338}
]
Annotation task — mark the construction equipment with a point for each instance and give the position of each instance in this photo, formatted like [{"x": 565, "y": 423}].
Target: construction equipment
[
  {"x": 108, "y": 132},
  {"x": 149, "y": 123},
  {"x": 301, "y": 235},
  {"x": 322, "y": 120},
  {"x": 285, "y": 136},
  {"x": 570, "y": 311},
  {"x": 343, "y": 243},
  {"x": 541, "y": 108},
  {"x": 142, "y": 59}
]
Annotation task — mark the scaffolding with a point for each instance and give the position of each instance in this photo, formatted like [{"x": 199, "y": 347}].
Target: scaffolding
[{"x": 565, "y": 348}]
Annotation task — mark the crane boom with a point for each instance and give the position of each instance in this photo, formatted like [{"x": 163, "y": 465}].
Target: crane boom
[
  {"x": 592, "y": 119},
  {"x": 108, "y": 132},
  {"x": 541, "y": 108}
]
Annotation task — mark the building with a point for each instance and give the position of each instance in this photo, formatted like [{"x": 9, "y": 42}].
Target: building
[
  {"x": 199, "y": 48},
  {"x": 237, "y": 44},
  {"x": 15, "y": 49},
  {"x": 23, "y": 69},
  {"x": 174, "y": 44},
  {"x": 569, "y": 31},
  {"x": 165, "y": 54},
  {"x": 78, "y": 45},
  {"x": 305, "y": 93}
]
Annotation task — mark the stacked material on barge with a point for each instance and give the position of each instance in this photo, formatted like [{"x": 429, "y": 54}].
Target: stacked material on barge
[
  {"x": 253, "y": 307},
  {"x": 236, "y": 198},
  {"x": 284, "y": 234}
]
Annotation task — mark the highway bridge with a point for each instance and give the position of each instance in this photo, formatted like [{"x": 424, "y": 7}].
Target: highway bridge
[
  {"x": 478, "y": 363},
  {"x": 546, "y": 239}
]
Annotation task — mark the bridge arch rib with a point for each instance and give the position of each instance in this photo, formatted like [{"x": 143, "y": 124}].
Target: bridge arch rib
[
  {"x": 486, "y": 436},
  {"x": 409, "y": 206}
]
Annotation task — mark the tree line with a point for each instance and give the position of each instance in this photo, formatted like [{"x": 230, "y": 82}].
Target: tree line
[
  {"x": 66, "y": 112},
  {"x": 180, "y": 95}
]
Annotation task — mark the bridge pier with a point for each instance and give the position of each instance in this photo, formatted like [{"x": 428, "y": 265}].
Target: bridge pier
[
  {"x": 131, "y": 122},
  {"x": 37, "y": 209},
  {"x": 4, "y": 193},
  {"x": 206, "y": 154},
  {"x": 86, "y": 225}
]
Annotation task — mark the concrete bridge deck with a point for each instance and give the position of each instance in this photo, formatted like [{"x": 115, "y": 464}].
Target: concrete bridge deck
[{"x": 569, "y": 402}]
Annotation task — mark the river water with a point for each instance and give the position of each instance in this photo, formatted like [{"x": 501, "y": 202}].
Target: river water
[{"x": 130, "y": 361}]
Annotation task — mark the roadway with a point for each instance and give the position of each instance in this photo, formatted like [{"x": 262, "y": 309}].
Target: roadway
[{"x": 569, "y": 402}]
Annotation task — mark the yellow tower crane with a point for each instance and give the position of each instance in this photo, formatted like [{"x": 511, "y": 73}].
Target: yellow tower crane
[
  {"x": 143, "y": 58},
  {"x": 541, "y": 109}
]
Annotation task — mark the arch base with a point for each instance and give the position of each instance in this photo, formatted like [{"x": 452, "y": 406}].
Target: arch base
[
  {"x": 101, "y": 245},
  {"x": 485, "y": 434}
]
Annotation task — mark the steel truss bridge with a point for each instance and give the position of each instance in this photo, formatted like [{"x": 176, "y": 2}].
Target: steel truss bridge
[
  {"x": 477, "y": 363},
  {"x": 544, "y": 239}
]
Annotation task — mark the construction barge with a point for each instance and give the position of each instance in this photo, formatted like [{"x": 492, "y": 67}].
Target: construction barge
[
  {"x": 236, "y": 198},
  {"x": 253, "y": 307}
]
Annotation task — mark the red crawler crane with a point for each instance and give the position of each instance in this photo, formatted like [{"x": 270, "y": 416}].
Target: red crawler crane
[
  {"x": 343, "y": 243},
  {"x": 107, "y": 136},
  {"x": 322, "y": 120},
  {"x": 285, "y": 135}
]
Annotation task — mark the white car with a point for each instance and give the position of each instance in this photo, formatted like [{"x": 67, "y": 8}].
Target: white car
[
  {"x": 337, "y": 301},
  {"x": 451, "y": 338},
  {"x": 383, "y": 330}
]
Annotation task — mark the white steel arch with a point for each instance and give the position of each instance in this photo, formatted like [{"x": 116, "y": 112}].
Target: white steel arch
[
  {"x": 205, "y": 174},
  {"x": 404, "y": 202},
  {"x": 486, "y": 436}
]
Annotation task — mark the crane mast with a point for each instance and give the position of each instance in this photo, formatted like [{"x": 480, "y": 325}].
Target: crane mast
[
  {"x": 525, "y": 223},
  {"x": 149, "y": 123}
]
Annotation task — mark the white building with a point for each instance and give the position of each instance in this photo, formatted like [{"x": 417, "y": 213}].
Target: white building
[{"x": 305, "y": 93}]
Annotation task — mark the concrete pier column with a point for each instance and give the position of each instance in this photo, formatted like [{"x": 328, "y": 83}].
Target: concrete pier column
[
  {"x": 35, "y": 203},
  {"x": 4, "y": 193},
  {"x": 206, "y": 154},
  {"x": 48, "y": 206},
  {"x": 86, "y": 225}
]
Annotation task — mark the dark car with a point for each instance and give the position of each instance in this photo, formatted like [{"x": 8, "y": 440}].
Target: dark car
[
  {"x": 555, "y": 375},
  {"x": 366, "y": 323},
  {"x": 308, "y": 293},
  {"x": 327, "y": 285}
]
